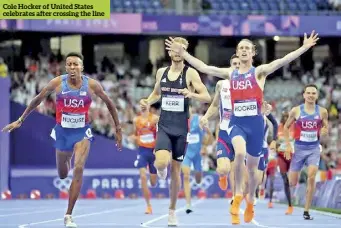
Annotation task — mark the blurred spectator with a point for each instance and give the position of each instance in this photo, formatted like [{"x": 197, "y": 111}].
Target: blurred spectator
[{"x": 3, "y": 68}]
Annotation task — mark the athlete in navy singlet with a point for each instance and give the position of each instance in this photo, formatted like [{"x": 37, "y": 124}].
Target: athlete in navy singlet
[
  {"x": 246, "y": 125},
  {"x": 311, "y": 122},
  {"x": 72, "y": 132},
  {"x": 175, "y": 85}
]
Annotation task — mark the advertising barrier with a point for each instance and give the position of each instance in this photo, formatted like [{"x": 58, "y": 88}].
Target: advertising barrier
[
  {"x": 102, "y": 181},
  {"x": 204, "y": 25}
]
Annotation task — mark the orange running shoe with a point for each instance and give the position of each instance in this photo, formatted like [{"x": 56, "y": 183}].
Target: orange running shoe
[
  {"x": 149, "y": 210},
  {"x": 223, "y": 182},
  {"x": 234, "y": 209},
  {"x": 290, "y": 210},
  {"x": 235, "y": 219},
  {"x": 249, "y": 212},
  {"x": 270, "y": 205}
]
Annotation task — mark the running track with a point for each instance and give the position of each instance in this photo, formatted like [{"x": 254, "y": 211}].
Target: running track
[{"x": 129, "y": 213}]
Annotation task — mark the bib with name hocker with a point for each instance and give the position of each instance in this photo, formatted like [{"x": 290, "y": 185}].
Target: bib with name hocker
[{"x": 245, "y": 108}]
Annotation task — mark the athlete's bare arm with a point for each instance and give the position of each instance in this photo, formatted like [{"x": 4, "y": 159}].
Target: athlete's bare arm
[
  {"x": 96, "y": 87},
  {"x": 325, "y": 124},
  {"x": 195, "y": 80},
  {"x": 266, "y": 69},
  {"x": 156, "y": 94},
  {"x": 225, "y": 73},
  {"x": 213, "y": 109},
  {"x": 46, "y": 91},
  {"x": 133, "y": 137},
  {"x": 291, "y": 119}
]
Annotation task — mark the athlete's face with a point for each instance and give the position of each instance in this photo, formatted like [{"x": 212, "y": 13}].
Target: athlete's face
[
  {"x": 175, "y": 57},
  {"x": 74, "y": 66},
  {"x": 245, "y": 51},
  {"x": 310, "y": 94},
  {"x": 235, "y": 62}
]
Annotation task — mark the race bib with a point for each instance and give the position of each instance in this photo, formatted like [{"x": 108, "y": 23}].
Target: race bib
[
  {"x": 193, "y": 138},
  {"x": 249, "y": 108},
  {"x": 148, "y": 138},
  {"x": 173, "y": 103},
  {"x": 73, "y": 120},
  {"x": 308, "y": 136}
]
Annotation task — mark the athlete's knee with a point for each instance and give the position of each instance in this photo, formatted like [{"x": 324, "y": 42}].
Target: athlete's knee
[
  {"x": 143, "y": 177},
  {"x": 223, "y": 166},
  {"x": 293, "y": 181},
  {"x": 161, "y": 159},
  {"x": 78, "y": 172}
]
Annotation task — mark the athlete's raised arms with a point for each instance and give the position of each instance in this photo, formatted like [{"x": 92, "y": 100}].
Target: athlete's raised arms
[
  {"x": 225, "y": 73},
  {"x": 266, "y": 69}
]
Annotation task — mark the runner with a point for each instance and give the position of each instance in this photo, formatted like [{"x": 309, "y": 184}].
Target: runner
[
  {"x": 246, "y": 126},
  {"x": 72, "y": 133},
  {"x": 311, "y": 122},
  {"x": 177, "y": 84}
]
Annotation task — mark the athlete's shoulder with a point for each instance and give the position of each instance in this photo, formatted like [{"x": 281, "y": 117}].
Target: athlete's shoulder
[
  {"x": 191, "y": 70},
  {"x": 57, "y": 80},
  {"x": 323, "y": 110}
]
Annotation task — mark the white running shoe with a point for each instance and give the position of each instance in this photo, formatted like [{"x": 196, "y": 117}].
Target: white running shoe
[
  {"x": 172, "y": 221},
  {"x": 162, "y": 174},
  {"x": 68, "y": 222}
]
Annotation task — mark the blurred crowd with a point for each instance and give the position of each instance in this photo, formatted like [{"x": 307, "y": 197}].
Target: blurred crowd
[{"x": 127, "y": 84}]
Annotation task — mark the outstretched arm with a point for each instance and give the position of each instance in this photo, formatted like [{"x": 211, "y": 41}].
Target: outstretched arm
[
  {"x": 47, "y": 90},
  {"x": 266, "y": 69},
  {"x": 225, "y": 73}
]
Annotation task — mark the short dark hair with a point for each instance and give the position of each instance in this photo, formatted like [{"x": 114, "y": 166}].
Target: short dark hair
[
  {"x": 234, "y": 56},
  {"x": 75, "y": 54},
  {"x": 310, "y": 85}
]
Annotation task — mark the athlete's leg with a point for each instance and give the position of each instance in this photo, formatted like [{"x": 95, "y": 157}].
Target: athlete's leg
[
  {"x": 162, "y": 153},
  {"x": 223, "y": 169},
  {"x": 179, "y": 144},
  {"x": 145, "y": 189},
  {"x": 284, "y": 168},
  {"x": 225, "y": 154},
  {"x": 186, "y": 171},
  {"x": 232, "y": 179},
  {"x": 239, "y": 145},
  {"x": 254, "y": 147},
  {"x": 312, "y": 162},
  {"x": 63, "y": 161},
  {"x": 81, "y": 151},
  {"x": 271, "y": 178}
]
